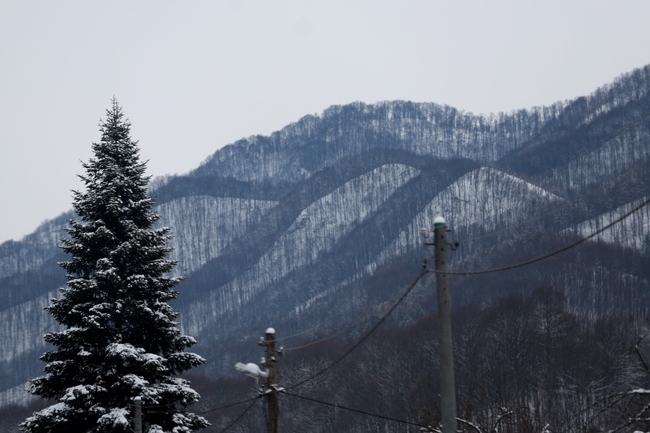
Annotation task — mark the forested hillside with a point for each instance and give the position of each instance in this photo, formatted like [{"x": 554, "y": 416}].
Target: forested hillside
[{"x": 315, "y": 231}]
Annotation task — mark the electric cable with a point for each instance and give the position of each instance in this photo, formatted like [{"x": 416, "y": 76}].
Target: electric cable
[
  {"x": 545, "y": 256},
  {"x": 362, "y": 339},
  {"x": 299, "y": 333},
  {"x": 329, "y": 337},
  {"x": 363, "y": 412},
  {"x": 228, "y": 405},
  {"x": 236, "y": 420},
  {"x": 286, "y": 338}
]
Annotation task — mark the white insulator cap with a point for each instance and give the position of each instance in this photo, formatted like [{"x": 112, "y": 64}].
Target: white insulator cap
[
  {"x": 439, "y": 221},
  {"x": 270, "y": 331}
]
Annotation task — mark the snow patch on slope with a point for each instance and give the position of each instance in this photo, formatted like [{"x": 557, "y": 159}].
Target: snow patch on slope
[
  {"x": 316, "y": 231},
  {"x": 481, "y": 201},
  {"x": 22, "y": 327},
  {"x": 34, "y": 249},
  {"x": 17, "y": 395},
  {"x": 203, "y": 226}
]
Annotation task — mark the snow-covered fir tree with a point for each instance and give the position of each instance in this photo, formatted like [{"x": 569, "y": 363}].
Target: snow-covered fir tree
[{"x": 120, "y": 339}]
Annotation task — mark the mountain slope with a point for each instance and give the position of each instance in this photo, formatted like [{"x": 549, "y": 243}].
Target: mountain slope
[{"x": 318, "y": 225}]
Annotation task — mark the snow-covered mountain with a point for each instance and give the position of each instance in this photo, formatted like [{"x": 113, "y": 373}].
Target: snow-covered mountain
[{"x": 288, "y": 230}]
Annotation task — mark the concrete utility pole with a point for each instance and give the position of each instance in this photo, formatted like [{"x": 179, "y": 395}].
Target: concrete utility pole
[
  {"x": 271, "y": 375},
  {"x": 138, "y": 414},
  {"x": 272, "y": 382},
  {"x": 447, "y": 387}
]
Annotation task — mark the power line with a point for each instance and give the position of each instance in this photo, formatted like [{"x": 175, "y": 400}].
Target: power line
[
  {"x": 228, "y": 405},
  {"x": 322, "y": 340},
  {"x": 545, "y": 256},
  {"x": 240, "y": 416},
  {"x": 340, "y": 331},
  {"x": 329, "y": 337},
  {"x": 298, "y": 334},
  {"x": 362, "y": 339},
  {"x": 338, "y": 406}
]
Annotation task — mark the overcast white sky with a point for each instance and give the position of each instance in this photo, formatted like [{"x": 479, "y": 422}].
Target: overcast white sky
[{"x": 194, "y": 76}]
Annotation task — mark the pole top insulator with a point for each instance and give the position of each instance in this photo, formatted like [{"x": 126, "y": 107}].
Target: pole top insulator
[
  {"x": 439, "y": 221},
  {"x": 270, "y": 331}
]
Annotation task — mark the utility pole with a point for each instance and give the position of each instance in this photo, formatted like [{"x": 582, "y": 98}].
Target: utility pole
[
  {"x": 138, "y": 414},
  {"x": 447, "y": 387},
  {"x": 271, "y": 375},
  {"x": 272, "y": 382}
]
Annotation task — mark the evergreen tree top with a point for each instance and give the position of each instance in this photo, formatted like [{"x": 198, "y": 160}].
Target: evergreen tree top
[
  {"x": 115, "y": 181},
  {"x": 115, "y": 128}
]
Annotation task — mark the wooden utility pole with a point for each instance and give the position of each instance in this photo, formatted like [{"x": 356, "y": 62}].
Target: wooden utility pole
[
  {"x": 272, "y": 382},
  {"x": 447, "y": 387}
]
